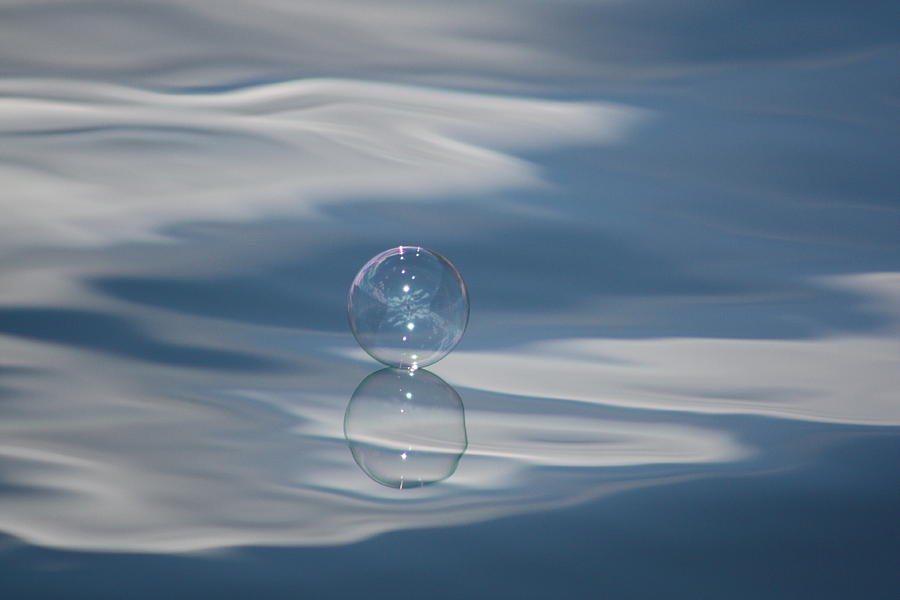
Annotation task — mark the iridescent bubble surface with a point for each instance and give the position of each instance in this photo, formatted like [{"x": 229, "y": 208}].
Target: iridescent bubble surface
[
  {"x": 408, "y": 307},
  {"x": 406, "y": 428}
]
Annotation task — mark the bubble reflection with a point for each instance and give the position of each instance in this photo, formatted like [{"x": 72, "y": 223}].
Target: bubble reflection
[{"x": 406, "y": 428}]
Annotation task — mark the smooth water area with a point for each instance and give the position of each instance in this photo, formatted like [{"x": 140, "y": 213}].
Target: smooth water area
[{"x": 678, "y": 229}]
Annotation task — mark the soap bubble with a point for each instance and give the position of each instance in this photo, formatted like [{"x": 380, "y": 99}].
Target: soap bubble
[
  {"x": 405, "y": 428},
  {"x": 408, "y": 307}
]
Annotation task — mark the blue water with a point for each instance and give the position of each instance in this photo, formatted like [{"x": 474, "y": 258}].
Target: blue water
[{"x": 677, "y": 223}]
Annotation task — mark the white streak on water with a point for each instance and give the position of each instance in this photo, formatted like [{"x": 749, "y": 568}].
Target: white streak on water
[
  {"x": 847, "y": 378},
  {"x": 202, "y": 43},
  {"x": 93, "y": 163},
  {"x": 110, "y": 462}
]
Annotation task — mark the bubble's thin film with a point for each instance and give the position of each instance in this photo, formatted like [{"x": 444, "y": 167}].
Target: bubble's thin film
[
  {"x": 408, "y": 307},
  {"x": 406, "y": 428}
]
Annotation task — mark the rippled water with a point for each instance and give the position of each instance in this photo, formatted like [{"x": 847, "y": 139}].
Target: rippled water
[{"x": 678, "y": 225}]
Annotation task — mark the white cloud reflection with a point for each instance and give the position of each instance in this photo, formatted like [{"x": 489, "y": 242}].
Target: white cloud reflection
[
  {"x": 846, "y": 378},
  {"x": 96, "y": 163},
  {"x": 167, "y": 42},
  {"x": 106, "y": 461}
]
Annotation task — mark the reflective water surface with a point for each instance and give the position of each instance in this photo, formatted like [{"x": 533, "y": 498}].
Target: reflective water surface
[{"x": 677, "y": 224}]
